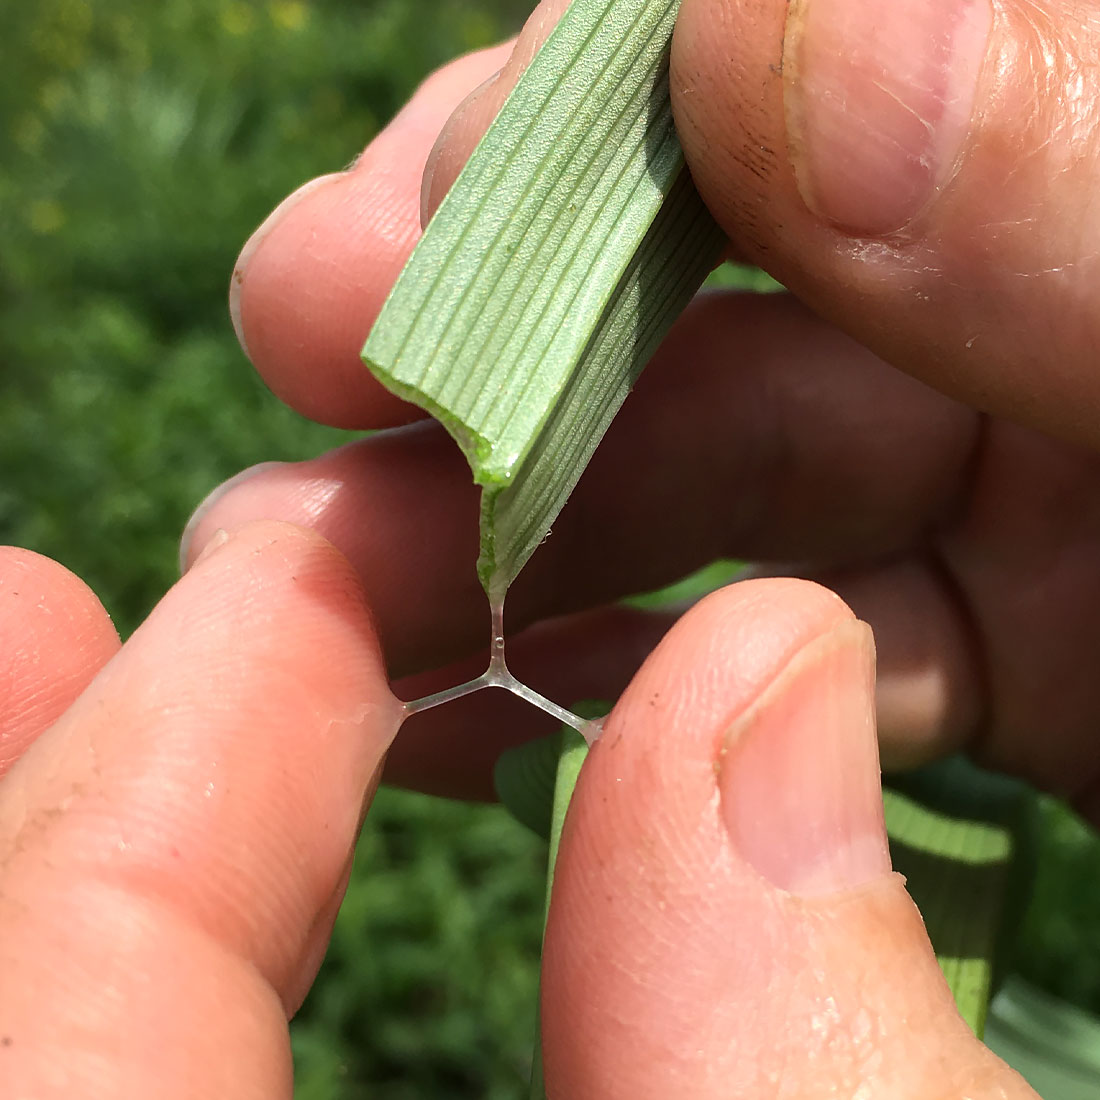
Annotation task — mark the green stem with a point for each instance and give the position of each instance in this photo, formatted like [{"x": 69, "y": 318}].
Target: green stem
[{"x": 571, "y": 757}]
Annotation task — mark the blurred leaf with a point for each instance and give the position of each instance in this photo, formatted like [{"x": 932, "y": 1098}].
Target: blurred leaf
[
  {"x": 524, "y": 779},
  {"x": 145, "y": 144},
  {"x": 1054, "y": 1045},
  {"x": 527, "y": 777},
  {"x": 692, "y": 587},
  {"x": 1059, "y": 943},
  {"x": 963, "y": 839}
]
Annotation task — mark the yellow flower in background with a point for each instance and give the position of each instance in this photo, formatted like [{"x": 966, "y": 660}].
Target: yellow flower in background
[
  {"x": 61, "y": 36},
  {"x": 45, "y": 216},
  {"x": 288, "y": 15},
  {"x": 54, "y": 95},
  {"x": 237, "y": 19}
]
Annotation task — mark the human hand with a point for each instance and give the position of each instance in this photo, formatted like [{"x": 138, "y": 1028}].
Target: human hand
[
  {"x": 968, "y": 542},
  {"x": 932, "y": 521},
  {"x": 176, "y": 835}
]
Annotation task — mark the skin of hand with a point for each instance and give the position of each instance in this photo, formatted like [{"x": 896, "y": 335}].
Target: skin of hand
[
  {"x": 724, "y": 902},
  {"x": 177, "y": 823}
]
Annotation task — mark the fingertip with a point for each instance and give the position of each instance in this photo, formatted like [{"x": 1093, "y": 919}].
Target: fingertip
[
  {"x": 312, "y": 279},
  {"x": 727, "y": 647},
  {"x": 196, "y": 532},
  {"x": 879, "y": 103},
  {"x": 647, "y": 946},
  {"x": 304, "y": 297},
  {"x": 287, "y": 562},
  {"x": 457, "y": 140},
  {"x": 799, "y": 771},
  {"x": 27, "y": 576},
  {"x": 232, "y": 744},
  {"x": 55, "y": 635},
  {"x": 255, "y": 242},
  {"x": 916, "y": 176}
]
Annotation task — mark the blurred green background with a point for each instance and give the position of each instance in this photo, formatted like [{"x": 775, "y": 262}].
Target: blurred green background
[{"x": 140, "y": 145}]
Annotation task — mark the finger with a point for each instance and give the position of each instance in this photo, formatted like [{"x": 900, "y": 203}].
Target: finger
[
  {"x": 984, "y": 626},
  {"x": 1022, "y": 559},
  {"x": 724, "y": 920},
  {"x": 451, "y": 750},
  {"x": 54, "y": 637},
  {"x": 311, "y": 280},
  {"x": 401, "y": 506},
  {"x": 172, "y": 845},
  {"x": 922, "y": 175},
  {"x": 758, "y": 432},
  {"x": 931, "y": 690},
  {"x": 763, "y": 434},
  {"x": 471, "y": 118}
]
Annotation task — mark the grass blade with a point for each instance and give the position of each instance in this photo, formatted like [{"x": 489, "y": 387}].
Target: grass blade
[
  {"x": 1054, "y": 1045},
  {"x": 572, "y": 751},
  {"x": 961, "y": 837},
  {"x": 564, "y": 251}
]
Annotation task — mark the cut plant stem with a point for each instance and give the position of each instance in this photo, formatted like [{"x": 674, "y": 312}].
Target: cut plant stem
[
  {"x": 498, "y": 675},
  {"x": 551, "y": 271},
  {"x": 568, "y": 245}
]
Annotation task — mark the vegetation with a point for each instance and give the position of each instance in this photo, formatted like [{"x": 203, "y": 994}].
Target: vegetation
[{"x": 140, "y": 146}]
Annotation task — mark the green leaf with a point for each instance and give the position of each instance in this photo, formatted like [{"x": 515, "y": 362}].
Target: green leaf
[
  {"x": 526, "y": 777},
  {"x": 692, "y": 587},
  {"x": 572, "y": 751},
  {"x": 551, "y": 271},
  {"x": 1055, "y": 1046},
  {"x": 961, "y": 837},
  {"x": 535, "y": 781}
]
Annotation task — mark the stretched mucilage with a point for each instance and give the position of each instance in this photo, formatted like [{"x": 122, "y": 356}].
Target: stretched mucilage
[{"x": 498, "y": 675}]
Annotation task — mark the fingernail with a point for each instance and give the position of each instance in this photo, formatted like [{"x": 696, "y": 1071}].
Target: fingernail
[
  {"x": 878, "y": 98},
  {"x": 240, "y": 268},
  {"x": 203, "y": 510},
  {"x": 799, "y": 777}
]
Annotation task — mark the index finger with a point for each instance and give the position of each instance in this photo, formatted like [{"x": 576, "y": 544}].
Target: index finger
[
  {"x": 311, "y": 280},
  {"x": 172, "y": 850}
]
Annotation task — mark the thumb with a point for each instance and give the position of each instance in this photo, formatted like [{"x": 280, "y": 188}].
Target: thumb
[
  {"x": 724, "y": 919},
  {"x": 921, "y": 173}
]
